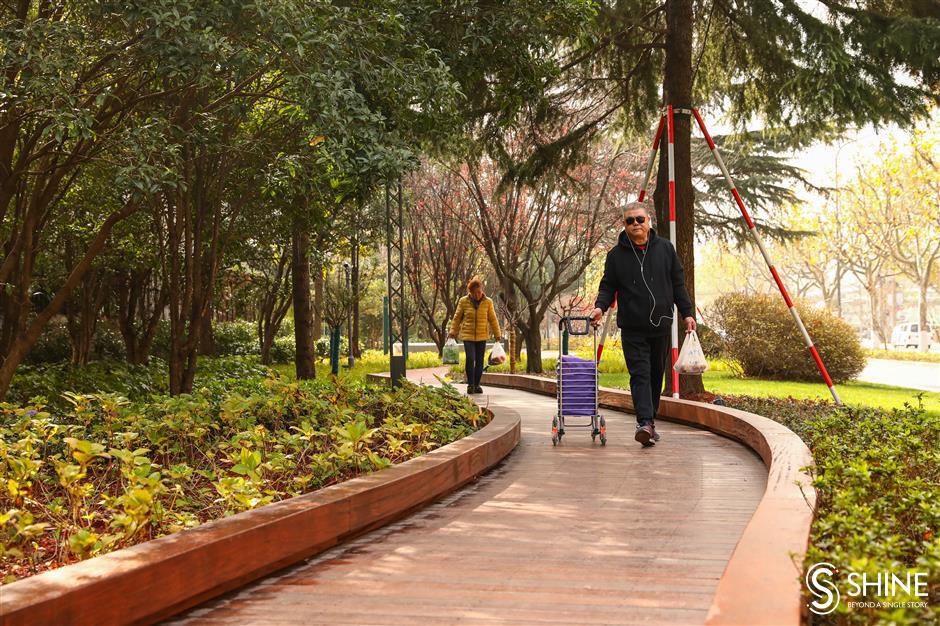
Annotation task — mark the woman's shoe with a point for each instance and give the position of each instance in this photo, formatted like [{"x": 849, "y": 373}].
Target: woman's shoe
[{"x": 478, "y": 389}]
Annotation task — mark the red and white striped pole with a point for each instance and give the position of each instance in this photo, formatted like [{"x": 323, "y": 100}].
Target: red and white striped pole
[
  {"x": 649, "y": 163},
  {"x": 671, "y": 154},
  {"x": 611, "y": 314},
  {"x": 773, "y": 270}
]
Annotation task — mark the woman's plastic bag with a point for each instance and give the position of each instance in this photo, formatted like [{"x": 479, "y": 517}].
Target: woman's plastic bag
[
  {"x": 691, "y": 358},
  {"x": 451, "y": 352},
  {"x": 497, "y": 354}
]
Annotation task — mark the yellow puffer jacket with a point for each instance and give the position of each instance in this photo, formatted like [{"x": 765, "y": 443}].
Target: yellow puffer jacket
[{"x": 471, "y": 321}]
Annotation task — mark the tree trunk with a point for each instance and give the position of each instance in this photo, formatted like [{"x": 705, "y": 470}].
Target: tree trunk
[
  {"x": 206, "y": 336},
  {"x": 923, "y": 343},
  {"x": 303, "y": 311},
  {"x": 134, "y": 304},
  {"x": 356, "y": 348},
  {"x": 317, "y": 303},
  {"x": 267, "y": 341},
  {"x": 678, "y": 92},
  {"x": 533, "y": 346},
  {"x": 81, "y": 313}
]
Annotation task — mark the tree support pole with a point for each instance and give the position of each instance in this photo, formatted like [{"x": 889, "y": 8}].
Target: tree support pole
[
  {"x": 763, "y": 250},
  {"x": 670, "y": 123}
]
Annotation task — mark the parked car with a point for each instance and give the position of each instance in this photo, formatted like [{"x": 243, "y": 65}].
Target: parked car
[{"x": 908, "y": 336}]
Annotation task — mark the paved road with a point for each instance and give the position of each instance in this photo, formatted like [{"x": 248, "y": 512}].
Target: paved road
[
  {"x": 911, "y": 374},
  {"x": 577, "y": 534}
]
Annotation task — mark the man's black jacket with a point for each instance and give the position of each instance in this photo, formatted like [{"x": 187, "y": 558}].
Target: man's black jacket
[{"x": 664, "y": 276}]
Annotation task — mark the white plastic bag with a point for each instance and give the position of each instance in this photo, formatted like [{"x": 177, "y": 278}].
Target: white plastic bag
[
  {"x": 691, "y": 358},
  {"x": 451, "y": 354},
  {"x": 497, "y": 354}
]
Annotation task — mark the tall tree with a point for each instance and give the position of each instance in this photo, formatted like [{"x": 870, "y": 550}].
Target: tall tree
[
  {"x": 901, "y": 194},
  {"x": 442, "y": 254},
  {"x": 539, "y": 237}
]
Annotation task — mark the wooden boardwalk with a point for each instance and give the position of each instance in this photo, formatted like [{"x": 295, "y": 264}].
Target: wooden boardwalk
[{"x": 577, "y": 534}]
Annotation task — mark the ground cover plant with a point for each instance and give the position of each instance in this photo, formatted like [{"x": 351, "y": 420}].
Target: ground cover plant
[
  {"x": 877, "y": 480},
  {"x": 103, "y": 472}
]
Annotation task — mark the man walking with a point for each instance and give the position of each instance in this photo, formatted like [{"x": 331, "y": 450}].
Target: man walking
[{"x": 644, "y": 272}]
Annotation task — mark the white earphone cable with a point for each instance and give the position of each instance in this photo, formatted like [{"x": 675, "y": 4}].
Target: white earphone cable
[{"x": 655, "y": 324}]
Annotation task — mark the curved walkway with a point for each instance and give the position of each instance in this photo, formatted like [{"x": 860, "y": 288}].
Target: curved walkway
[{"x": 579, "y": 534}]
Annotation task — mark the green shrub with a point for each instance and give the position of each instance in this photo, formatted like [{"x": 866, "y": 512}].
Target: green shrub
[
  {"x": 161, "y": 340},
  {"x": 283, "y": 349},
  {"x": 761, "y": 336},
  {"x": 286, "y": 329},
  {"x": 877, "y": 479},
  {"x": 713, "y": 345},
  {"x": 48, "y": 381},
  {"x": 53, "y": 345},
  {"x": 323, "y": 346},
  {"x": 108, "y": 341},
  {"x": 235, "y": 338}
]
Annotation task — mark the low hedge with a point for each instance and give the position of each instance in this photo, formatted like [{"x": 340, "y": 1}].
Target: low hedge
[
  {"x": 759, "y": 333},
  {"x": 107, "y": 472},
  {"x": 877, "y": 479},
  {"x": 904, "y": 355}
]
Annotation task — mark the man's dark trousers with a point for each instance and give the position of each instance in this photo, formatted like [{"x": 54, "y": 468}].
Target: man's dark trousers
[{"x": 646, "y": 362}]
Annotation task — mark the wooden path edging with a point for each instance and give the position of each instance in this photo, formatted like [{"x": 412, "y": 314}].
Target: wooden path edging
[
  {"x": 156, "y": 579},
  {"x": 762, "y": 583}
]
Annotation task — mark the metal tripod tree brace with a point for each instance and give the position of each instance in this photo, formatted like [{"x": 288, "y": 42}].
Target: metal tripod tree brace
[{"x": 667, "y": 120}]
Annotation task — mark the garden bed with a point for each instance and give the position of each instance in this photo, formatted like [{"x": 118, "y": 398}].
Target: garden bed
[
  {"x": 107, "y": 472},
  {"x": 877, "y": 480}
]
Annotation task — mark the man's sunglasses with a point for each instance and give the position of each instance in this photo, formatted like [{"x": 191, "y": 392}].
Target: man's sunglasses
[{"x": 639, "y": 219}]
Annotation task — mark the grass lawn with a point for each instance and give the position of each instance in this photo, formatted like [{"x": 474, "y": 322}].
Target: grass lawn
[
  {"x": 904, "y": 355},
  {"x": 721, "y": 380},
  {"x": 372, "y": 362}
]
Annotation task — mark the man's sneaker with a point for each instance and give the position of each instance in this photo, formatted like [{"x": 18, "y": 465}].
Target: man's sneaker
[
  {"x": 656, "y": 436},
  {"x": 644, "y": 434}
]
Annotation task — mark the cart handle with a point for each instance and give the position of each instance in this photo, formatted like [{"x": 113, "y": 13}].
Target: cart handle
[{"x": 565, "y": 322}]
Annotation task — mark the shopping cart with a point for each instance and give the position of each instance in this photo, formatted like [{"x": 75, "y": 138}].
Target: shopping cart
[{"x": 577, "y": 386}]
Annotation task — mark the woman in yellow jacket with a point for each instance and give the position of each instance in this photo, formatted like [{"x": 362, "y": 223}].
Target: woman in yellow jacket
[{"x": 475, "y": 316}]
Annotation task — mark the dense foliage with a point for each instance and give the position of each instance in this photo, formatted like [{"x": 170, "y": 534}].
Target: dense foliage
[
  {"x": 877, "y": 479},
  {"x": 760, "y": 335},
  {"x": 104, "y": 472}
]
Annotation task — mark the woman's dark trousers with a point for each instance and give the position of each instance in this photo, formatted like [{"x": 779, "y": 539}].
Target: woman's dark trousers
[
  {"x": 646, "y": 362},
  {"x": 476, "y": 352}
]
